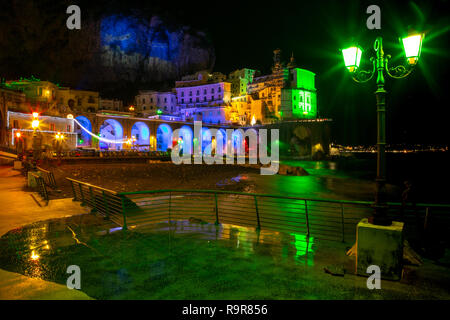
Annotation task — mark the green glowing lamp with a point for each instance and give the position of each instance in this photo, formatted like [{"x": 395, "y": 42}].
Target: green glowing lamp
[
  {"x": 158, "y": 111},
  {"x": 352, "y": 57},
  {"x": 412, "y": 46}
]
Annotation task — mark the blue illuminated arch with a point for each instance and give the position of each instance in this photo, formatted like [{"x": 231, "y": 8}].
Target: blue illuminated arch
[
  {"x": 206, "y": 138},
  {"x": 84, "y": 139},
  {"x": 187, "y": 136},
  {"x": 223, "y": 134},
  {"x": 142, "y": 134},
  {"x": 111, "y": 129},
  {"x": 237, "y": 140},
  {"x": 163, "y": 137}
]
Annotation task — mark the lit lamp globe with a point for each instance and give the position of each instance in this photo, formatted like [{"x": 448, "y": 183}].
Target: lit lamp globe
[
  {"x": 412, "y": 45},
  {"x": 352, "y": 57},
  {"x": 35, "y": 124}
]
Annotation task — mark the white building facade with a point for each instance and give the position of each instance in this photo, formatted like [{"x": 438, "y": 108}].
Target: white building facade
[
  {"x": 208, "y": 100},
  {"x": 110, "y": 104},
  {"x": 150, "y": 103}
]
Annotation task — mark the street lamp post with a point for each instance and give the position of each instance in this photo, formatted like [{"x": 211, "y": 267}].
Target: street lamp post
[
  {"x": 35, "y": 126},
  {"x": 59, "y": 139},
  {"x": 18, "y": 148},
  {"x": 352, "y": 58}
]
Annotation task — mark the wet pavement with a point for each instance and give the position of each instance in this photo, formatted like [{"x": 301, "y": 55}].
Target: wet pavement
[
  {"x": 177, "y": 260},
  {"x": 195, "y": 260},
  {"x": 18, "y": 208}
]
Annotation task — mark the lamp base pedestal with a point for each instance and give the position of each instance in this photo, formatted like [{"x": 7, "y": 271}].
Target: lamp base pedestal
[{"x": 381, "y": 246}]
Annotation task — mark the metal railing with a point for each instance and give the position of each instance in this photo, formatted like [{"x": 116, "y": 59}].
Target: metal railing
[
  {"x": 320, "y": 218},
  {"x": 326, "y": 219},
  {"x": 48, "y": 177},
  {"x": 40, "y": 186},
  {"x": 102, "y": 201},
  {"x": 8, "y": 149}
]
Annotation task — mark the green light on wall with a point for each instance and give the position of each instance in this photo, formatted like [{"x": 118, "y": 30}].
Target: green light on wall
[
  {"x": 158, "y": 111},
  {"x": 304, "y": 104}
]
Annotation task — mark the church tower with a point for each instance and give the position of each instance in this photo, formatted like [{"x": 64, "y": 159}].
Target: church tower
[{"x": 277, "y": 65}]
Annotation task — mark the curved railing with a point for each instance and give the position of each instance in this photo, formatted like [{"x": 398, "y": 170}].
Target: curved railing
[{"x": 321, "y": 218}]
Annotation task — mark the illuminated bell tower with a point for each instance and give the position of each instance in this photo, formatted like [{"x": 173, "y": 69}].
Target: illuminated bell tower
[
  {"x": 292, "y": 63},
  {"x": 276, "y": 60}
]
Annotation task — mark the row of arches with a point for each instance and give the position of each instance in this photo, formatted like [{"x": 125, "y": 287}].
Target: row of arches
[{"x": 112, "y": 137}]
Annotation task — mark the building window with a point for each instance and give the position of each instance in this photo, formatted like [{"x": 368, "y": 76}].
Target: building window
[
  {"x": 198, "y": 99},
  {"x": 182, "y": 93},
  {"x": 165, "y": 99},
  {"x": 190, "y": 99},
  {"x": 143, "y": 100},
  {"x": 52, "y": 127},
  {"x": 198, "y": 92},
  {"x": 204, "y": 91},
  {"x": 165, "y": 108},
  {"x": 190, "y": 93},
  {"x": 79, "y": 101},
  {"x": 204, "y": 99},
  {"x": 68, "y": 128},
  {"x": 212, "y": 90},
  {"x": 219, "y": 89},
  {"x": 182, "y": 100},
  {"x": 16, "y": 124}
]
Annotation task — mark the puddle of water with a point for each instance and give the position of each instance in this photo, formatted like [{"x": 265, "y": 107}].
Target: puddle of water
[
  {"x": 156, "y": 261},
  {"x": 180, "y": 260}
]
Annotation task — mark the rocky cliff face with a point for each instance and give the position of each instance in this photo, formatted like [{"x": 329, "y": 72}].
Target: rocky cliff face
[
  {"x": 138, "y": 50},
  {"x": 113, "y": 52}
]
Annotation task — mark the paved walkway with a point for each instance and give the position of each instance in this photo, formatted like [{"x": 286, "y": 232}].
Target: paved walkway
[{"x": 18, "y": 208}]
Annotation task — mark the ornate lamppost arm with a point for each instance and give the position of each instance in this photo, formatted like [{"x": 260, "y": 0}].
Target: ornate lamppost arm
[
  {"x": 397, "y": 72},
  {"x": 362, "y": 76}
]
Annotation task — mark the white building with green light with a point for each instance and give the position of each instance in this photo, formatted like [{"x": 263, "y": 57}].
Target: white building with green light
[{"x": 299, "y": 97}]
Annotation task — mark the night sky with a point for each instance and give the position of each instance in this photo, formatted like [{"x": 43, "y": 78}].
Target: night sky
[{"x": 245, "y": 33}]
